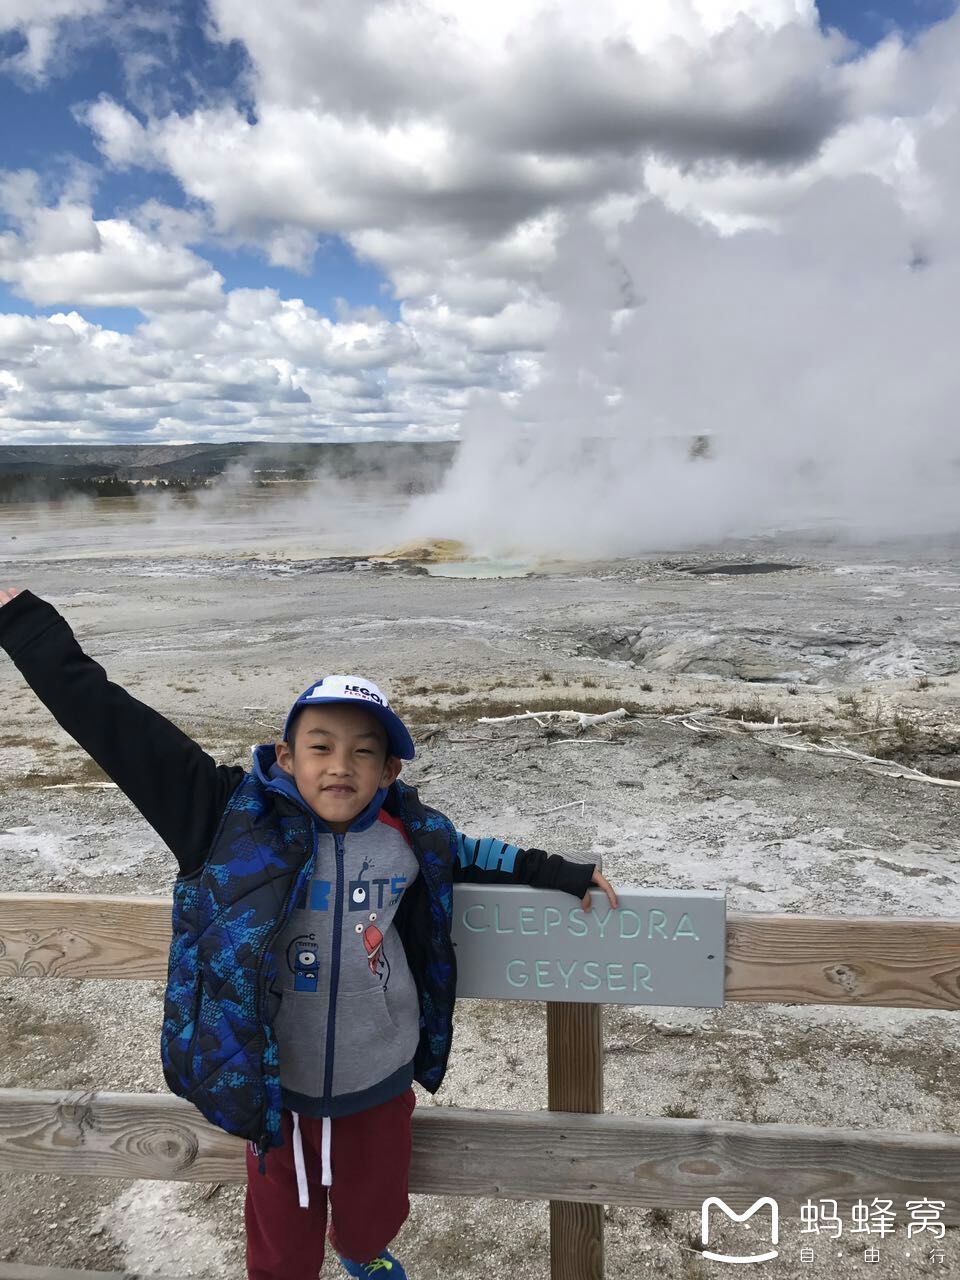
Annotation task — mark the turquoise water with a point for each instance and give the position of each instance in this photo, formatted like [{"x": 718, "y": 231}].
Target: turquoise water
[{"x": 480, "y": 569}]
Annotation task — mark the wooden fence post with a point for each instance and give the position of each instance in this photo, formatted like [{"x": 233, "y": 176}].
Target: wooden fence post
[{"x": 575, "y": 1083}]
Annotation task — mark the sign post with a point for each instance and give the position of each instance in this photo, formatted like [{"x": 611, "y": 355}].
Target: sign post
[
  {"x": 575, "y": 1083},
  {"x": 658, "y": 947}
]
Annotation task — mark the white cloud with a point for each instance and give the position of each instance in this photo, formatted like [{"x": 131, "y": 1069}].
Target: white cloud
[
  {"x": 40, "y": 23},
  {"x": 258, "y": 367},
  {"x": 61, "y": 254},
  {"x": 171, "y": 225},
  {"x": 121, "y": 136},
  {"x": 260, "y": 324},
  {"x": 475, "y": 120},
  {"x": 524, "y": 324},
  {"x": 733, "y": 198}
]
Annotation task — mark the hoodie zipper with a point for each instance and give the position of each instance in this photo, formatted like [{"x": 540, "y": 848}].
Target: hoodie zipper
[{"x": 334, "y": 973}]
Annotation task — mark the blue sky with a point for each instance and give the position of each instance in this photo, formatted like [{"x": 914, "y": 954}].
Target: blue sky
[{"x": 870, "y": 23}]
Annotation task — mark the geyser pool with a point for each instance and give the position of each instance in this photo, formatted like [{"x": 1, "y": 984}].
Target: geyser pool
[{"x": 479, "y": 569}]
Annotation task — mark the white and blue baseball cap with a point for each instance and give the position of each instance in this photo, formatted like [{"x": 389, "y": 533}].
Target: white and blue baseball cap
[{"x": 357, "y": 691}]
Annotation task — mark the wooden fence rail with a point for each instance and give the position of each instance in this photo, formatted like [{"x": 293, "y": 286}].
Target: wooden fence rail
[
  {"x": 851, "y": 960},
  {"x": 571, "y": 1155},
  {"x": 513, "y": 1155}
]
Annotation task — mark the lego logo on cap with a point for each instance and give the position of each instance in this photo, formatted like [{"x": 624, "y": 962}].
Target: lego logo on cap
[
  {"x": 360, "y": 692},
  {"x": 344, "y": 688}
]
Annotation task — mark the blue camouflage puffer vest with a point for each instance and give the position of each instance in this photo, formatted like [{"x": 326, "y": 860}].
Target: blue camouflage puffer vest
[{"x": 218, "y": 1047}]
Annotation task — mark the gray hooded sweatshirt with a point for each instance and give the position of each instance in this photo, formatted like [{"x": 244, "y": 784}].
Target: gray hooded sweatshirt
[{"x": 349, "y": 1019}]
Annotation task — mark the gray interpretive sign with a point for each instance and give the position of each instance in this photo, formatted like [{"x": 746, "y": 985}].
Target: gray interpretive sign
[{"x": 659, "y": 946}]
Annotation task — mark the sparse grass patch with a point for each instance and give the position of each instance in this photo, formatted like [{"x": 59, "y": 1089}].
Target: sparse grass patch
[
  {"x": 754, "y": 711},
  {"x": 677, "y": 1111},
  {"x": 430, "y": 690},
  {"x": 906, "y": 731},
  {"x": 546, "y": 677},
  {"x": 647, "y": 687},
  {"x": 924, "y": 683},
  {"x": 850, "y": 706},
  {"x": 21, "y": 740},
  {"x": 588, "y": 682},
  {"x": 85, "y": 770}
]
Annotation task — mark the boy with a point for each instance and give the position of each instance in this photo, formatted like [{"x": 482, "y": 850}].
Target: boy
[{"x": 311, "y": 975}]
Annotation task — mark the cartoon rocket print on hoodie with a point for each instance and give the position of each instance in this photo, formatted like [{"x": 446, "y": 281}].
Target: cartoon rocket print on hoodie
[
  {"x": 361, "y": 896},
  {"x": 373, "y": 945}
]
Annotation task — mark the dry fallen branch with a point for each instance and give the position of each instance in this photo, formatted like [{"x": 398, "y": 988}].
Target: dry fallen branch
[
  {"x": 75, "y": 786},
  {"x": 723, "y": 724},
  {"x": 756, "y": 726},
  {"x": 557, "y": 807},
  {"x": 875, "y": 765},
  {"x": 584, "y": 742},
  {"x": 694, "y": 726},
  {"x": 913, "y": 775},
  {"x": 583, "y": 718},
  {"x": 886, "y": 769},
  {"x": 488, "y": 737},
  {"x": 777, "y": 723}
]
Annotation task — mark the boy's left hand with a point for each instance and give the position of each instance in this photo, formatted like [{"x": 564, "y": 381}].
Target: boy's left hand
[{"x": 602, "y": 883}]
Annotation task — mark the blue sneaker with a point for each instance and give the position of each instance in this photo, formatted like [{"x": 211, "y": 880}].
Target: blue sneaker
[{"x": 384, "y": 1266}]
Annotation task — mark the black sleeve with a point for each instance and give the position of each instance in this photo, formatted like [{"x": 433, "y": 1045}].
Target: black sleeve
[
  {"x": 489, "y": 861},
  {"x": 180, "y": 790}
]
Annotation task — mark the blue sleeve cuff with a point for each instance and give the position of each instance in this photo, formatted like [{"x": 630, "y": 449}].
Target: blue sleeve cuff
[{"x": 488, "y": 854}]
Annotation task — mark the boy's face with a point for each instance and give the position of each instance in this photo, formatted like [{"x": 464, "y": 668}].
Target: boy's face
[{"x": 338, "y": 760}]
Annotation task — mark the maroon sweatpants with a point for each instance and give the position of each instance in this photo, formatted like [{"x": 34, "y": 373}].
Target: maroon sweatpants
[{"x": 370, "y": 1164}]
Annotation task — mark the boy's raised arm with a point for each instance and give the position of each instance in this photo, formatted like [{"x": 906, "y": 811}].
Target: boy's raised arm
[
  {"x": 179, "y": 789},
  {"x": 491, "y": 861}
]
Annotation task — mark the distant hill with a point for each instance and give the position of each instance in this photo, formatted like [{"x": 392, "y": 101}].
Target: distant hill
[{"x": 406, "y": 463}]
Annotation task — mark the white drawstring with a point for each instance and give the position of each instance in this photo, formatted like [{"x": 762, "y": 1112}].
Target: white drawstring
[
  {"x": 325, "y": 1152},
  {"x": 302, "y": 1189}
]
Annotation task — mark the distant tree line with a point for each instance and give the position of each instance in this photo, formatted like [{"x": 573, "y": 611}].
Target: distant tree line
[
  {"x": 20, "y": 487},
  {"x": 399, "y": 473}
]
